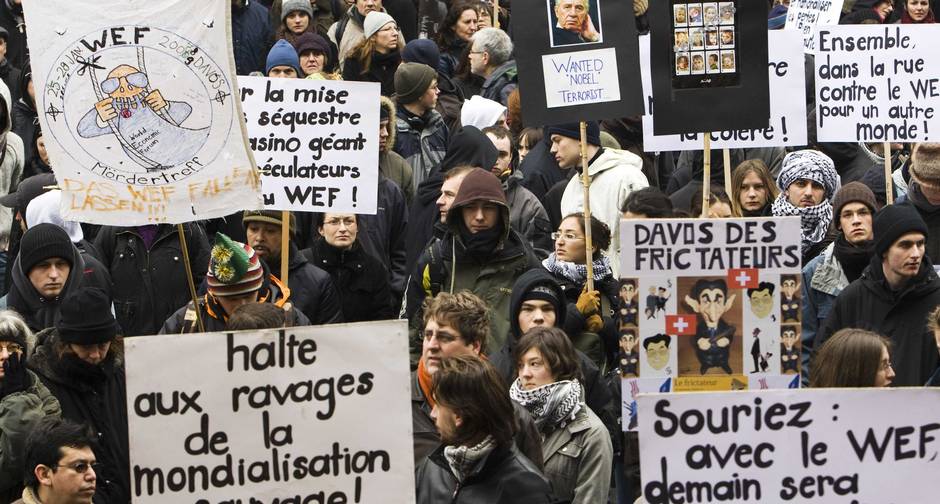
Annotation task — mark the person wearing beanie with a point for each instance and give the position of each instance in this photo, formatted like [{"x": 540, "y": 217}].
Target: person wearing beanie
[
  {"x": 252, "y": 35},
  {"x": 377, "y": 56},
  {"x": 482, "y": 113},
  {"x": 312, "y": 291},
  {"x": 808, "y": 181},
  {"x": 491, "y": 59},
  {"x": 282, "y": 61},
  {"x": 841, "y": 263},
  {"x": 893, "y": 296},
  {"x": 236, "y": 276},
  {"x": 450, "y": 96},
  {"x": 924, "y": 192},
  {"x": 423, "y": 51},
  {"x": 349, "y": 31},
  {"x": 80, "y": 360},
  {"x": 614, "y": 174},
  {"x": 314, "y": 54},
  {"x": 421, "y": 135},
  {"x": 296, "y": 19}
]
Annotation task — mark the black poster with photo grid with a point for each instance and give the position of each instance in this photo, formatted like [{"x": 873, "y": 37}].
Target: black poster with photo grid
[{"x": 709, "y": 66}]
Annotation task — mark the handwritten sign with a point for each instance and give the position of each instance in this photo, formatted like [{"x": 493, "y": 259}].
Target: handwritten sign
[
  {"x": 878, "y": 83},
  {"x": 580, "y": 78},
  {"x": 138, "y": 112},
  {"x": 806, "y": 16},
  {"x": 271, "y": 416},
  {"x": 828, "y": 446},
  {"x": 316, "y": 142}
]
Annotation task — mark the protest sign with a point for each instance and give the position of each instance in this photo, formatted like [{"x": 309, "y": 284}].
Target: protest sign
[
  {"x": 316, "y": 142},
  {"x": 308, "y": 414},
  {"x": 138, "y": 111},
  {"x": 787, "y": 110},
  {"x": 838, "y": 446},
  {"x": 877, "y": 83},
  {"x": 577, "y": 65},
  {"x": 706, "y": 59},
  {"x": 806, "y": 16},
  {"x": 708, "y": 305}
]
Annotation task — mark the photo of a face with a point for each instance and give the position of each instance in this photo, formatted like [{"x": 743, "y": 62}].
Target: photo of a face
[
  {"x": 726, "y": 13},
  {"x": 574, "y": 22},
  {"x": 710, "y": 14},
  {"x": 727, "y": 62},
  {"x": 695, "y": 14},
  {"x": 696, "y": 38},
  {"x": 698, "y": 63},
  {"x": 727, "y": 38},
  {"x": 680, "y": 15},
  {"x": 713, "y": 62},
  {"x": 682, "y": 40},
  {"x": 711, "y": 39}
]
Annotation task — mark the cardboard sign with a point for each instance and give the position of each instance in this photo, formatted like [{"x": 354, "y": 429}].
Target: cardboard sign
[
  {"x": 706, "y": 59},
  {"x": 878, "y": 83},
  {"x": 316, "y": 142},
  {"x": 304, "y": 414},
  {"x": 806, "y": 16},
  {"x": 577, "y": 63},
  {"x": 787, "y": 110},
  {"x": 708, "y": 305},
  {"x": 139, "y": 111},
  {"x": 823, "y": 446}
]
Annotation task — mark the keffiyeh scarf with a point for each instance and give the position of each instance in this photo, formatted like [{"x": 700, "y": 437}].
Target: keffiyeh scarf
[
  {"x": 814, "y": 220},
  {"x": 818, "y": 167},
  {"x": 577, "y": 273},
  {"x": 465, "y": 460},
  {"x": 552, "y": 405}
]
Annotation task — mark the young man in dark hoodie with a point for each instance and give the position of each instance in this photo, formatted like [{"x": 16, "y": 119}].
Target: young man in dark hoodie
[{"x": 924, "y": 192}]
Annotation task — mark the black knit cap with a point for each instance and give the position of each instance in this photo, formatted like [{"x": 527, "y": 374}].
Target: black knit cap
[
  {"x": 44, "y": 241},
  {"x": 544, "y": 292},
  {"x": 86, "y": 319},
  {"x": 573, "y": 130},
  {"x": 893, "y": 222}
]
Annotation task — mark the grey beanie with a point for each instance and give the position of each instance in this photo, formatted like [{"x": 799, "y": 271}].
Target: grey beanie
[{"x": 288, "y": 6}]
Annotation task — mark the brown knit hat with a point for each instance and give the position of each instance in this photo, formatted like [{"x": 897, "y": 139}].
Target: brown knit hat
[
  {"x": 269, "y": 217},
  {"x": 850, "y": 193},
  {"x": 925, "y": 163}
]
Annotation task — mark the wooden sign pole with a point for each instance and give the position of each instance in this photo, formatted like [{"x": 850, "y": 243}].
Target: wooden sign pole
[
  {"x": 586, "y": 181},
  {"x": 285, "y": 246},
  {"x": 189, "y": 277},
  {"x": 706, "y": 179},
  {"x": 727, "y": 155},
  {"x": 889, "y": 182}
]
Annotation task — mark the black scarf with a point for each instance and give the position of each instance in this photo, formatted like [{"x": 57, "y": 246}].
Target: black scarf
[
  {"x": 481, "y": 245},
  {"x": 919, "y": 200},
  {"x": 72, "y": 367},
  {"x": 853, "y": 258}
]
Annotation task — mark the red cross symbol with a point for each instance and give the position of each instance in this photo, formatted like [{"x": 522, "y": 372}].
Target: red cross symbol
[
  {"x": 683, "y": 325},
  {"x": 746, "y": 278}
]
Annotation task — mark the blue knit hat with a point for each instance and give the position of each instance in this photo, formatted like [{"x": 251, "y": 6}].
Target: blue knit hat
[
  {"x": 422, "y": 51},
  {"x": 282, "y": 54}
]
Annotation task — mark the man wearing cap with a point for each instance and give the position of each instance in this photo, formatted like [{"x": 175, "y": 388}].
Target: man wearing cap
[
  {"x": 841, "y": 263},
  {"x": 450, "y": 96},
  {"x": 808, "y": 181},
  {"x": 924, "y": 192},
  {"x": 236, "y": 276},
  {"x": 282, "y": 61},
  {"x": 349, "y": 31},
  {"x": 251, "y": 35},
  {"x": 311, "y": 289},
  {"x": 893, "y": 296},
  {"x": 614, "y": 175},
  {"x": 80, "y": 361},
  {"x": 421, "y": 133},
  {"x": 491, "y": 59}
]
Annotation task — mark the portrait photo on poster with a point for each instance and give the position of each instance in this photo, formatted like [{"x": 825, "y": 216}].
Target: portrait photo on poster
[{"x": 574, "y": 22}]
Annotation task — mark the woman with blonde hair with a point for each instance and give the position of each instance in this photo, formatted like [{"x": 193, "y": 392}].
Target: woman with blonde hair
[
  {"x": 752, "y": 189},
  {"x": 853, "y": 358},
  {"x": 377, "y": 57}
]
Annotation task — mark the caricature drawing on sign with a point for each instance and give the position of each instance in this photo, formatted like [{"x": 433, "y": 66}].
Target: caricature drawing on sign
[
  {"x": 149, "y": 128},
  {"x": 657, "y": 352},
  {"x": 629, "y": 356},
  {"x": 790, "y": 299},
  {"x": 760, "y": 359},
  {"x": 789, "y": 350},
  {"x": 656, "y": 301},
  {"x": 628, "y": 305},
  {"x": 713, "y": 336},
  {"x": 762, "y": 299}
]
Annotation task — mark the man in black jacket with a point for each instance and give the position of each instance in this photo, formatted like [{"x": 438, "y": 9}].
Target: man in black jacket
[
  {"x": 477, "y": 461},
  {"x": 894, "y": 295}
]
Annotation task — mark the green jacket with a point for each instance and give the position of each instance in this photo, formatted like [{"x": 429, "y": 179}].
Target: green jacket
[{"x": 18, "y": 413}]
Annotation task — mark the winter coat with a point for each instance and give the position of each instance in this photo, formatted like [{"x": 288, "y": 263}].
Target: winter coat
[
  {"x": 501, "y": 83},
  {"x": 350, "y": 33},
  {"x": 25, "y": 119},
  {"x": 540, "y": 171},
  {"x": 252, "y": 37},
  {"x": 823, "y": 281},
  {"x": 381, "y": 70},
  {"x": 391, "y": 164},
  {"x": 11, "y": 77},
  {"x": 150, "y": 283},
  {"x": 506, "y": 477},
  {"x": 19, "y": 412},
  {"x": 312, "y": 291},
  {"x": 92, "y": 395},
  {"x": 11, "y": 19},
  {"x": 931, "y": 216},
  {"x": 450, "y": 56},
  {"x": 422, "y": 141},
  {"x": 869, "y": 303},
  {"x": 527, "y": 215},
  {"x": 359, "y": 278},
  {"x": 29, "y": 497},
  {"x": 600, "y": 346},
  {"x": 578, "y": 459},
  {"x": 383, "y": 234},
  {"x": 12, "y": 161},
  {"x": 614, "y": 175}
]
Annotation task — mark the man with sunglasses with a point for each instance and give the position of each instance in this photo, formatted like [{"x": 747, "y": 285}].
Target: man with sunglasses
[{"x": 60, "y": 465}]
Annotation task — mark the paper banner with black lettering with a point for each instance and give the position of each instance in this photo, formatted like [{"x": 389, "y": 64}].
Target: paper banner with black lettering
[
  {"x": 787, "y": 110},
  {"x": 878, "y": 83},
  {"x": 577, "y": 60},
  {"x": 138, "y": 108},
  {"x": 806, "y": 16},
  {"x": 822, "y": 446},
  {"x": 707, "y": 59},
  {"x": 316, "y": 142},
  {"x": 304, "y": 414},
  {"x": 708, "y": 305}
]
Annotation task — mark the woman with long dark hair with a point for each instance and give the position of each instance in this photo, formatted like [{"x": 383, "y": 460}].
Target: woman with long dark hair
[{"x": 458, "y": 26}]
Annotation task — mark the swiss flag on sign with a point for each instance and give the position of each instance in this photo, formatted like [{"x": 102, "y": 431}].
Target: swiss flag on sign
[
  {"x": 746, "y": 278},
  {"x": 683, "y": 325}
]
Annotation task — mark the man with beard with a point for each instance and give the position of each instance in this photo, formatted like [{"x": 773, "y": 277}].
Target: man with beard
[{"x": 808, "y": 181}]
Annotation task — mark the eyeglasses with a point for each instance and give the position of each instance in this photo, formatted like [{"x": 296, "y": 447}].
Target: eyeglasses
[
  {"x": 82, "y": 467},
  {"x": 137, "y": 79},
  {"x": 567, "y": 236},
  {"x": 12, "y": 347},
  {"x": 350, "y": 222}
]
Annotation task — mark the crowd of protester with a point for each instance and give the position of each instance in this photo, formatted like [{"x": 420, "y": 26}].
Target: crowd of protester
[{"x": 479, "y": 242}]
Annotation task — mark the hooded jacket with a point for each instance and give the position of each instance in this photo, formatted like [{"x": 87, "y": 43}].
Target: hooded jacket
[
  {"x": 391, "y": 164},
  {"x": 359, "y": 278},
  {"x": 422, "y": 141},
  {"x": 12, "y": 161},
  {"x": 869, "y": 303},
  {"x": 614, "y": 175},
  {"x": 19, "y": 412}
]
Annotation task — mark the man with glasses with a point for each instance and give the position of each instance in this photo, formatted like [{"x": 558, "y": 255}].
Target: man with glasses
[
  {"x": 491, "y": 58},
  {"x": 61, "y": 467}
]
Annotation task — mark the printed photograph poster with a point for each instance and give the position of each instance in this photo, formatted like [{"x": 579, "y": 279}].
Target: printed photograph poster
[
  {"x": 139, "y": 110},
  {"x": 577, "y": 60},
  {"x": 289, "y": 415}
]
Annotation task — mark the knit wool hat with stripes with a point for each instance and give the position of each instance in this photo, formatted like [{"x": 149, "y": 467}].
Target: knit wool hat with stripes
[{"x": 234, "y": 268}]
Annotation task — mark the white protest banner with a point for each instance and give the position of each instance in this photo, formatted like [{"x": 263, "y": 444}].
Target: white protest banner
[
  {"x": 878, "y": 83},
  {"x": 822, "y": 446},
  {"x": 316, "y": 142},
  {"x": 787, "y": 106},
  {"x": 138, "y": 109},
  {"x": 708, "y": 305},
  {"x": 806, "y": 16},
  {"x": 307, "y": 414}
]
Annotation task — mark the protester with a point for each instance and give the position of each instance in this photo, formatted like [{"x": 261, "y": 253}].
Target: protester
[
  {"x": 477, "y": 461},
  {"x": 25, "y": 117},
  {"x": 933, "y": 323},
  {"x": 482, "y": 113},
  {"x": 251, "y": 36},
  {"x": 8, "y": 72},
  {"x": 490, "y": 58},
  {"x": 752, "y": 189},
  {"x": 17, "y": 201},
  {"x": 377, "y": 57},
  {"x": 255, "y": 316},
  {"x": 917, "y": 12},
  {"x": 282, "y": 61},
  {"x": 12, "y": 20},
  {"x": 647, "y": 203},
  {"x": 12, "y": 161},
  {"x": 391, "y": 164},
  {"x": 457, "y": 29},
  {"x": 61, "y": 465},
  {"x": 315, "y": 55},
  {"x": 808, "y": 181},
  {"x": 853, "y": 358},
  {"x": 527, "y": 140},
  {"x": 349, "y": 30},
  {"x": 24, "y": 401},
  {"x": 719, "y": 204},
  {"x": 924, "y": 192},
  {"x": 451, "y": 97},
  {"x": 39, "y": 162},
  {"x": 575, "y": 444},
  {"x": 81, "y": 361},
  {"x": 422, "y": 135},
  {"x": 893, "y": 295},
  {"x": 296, "y": 19}
]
